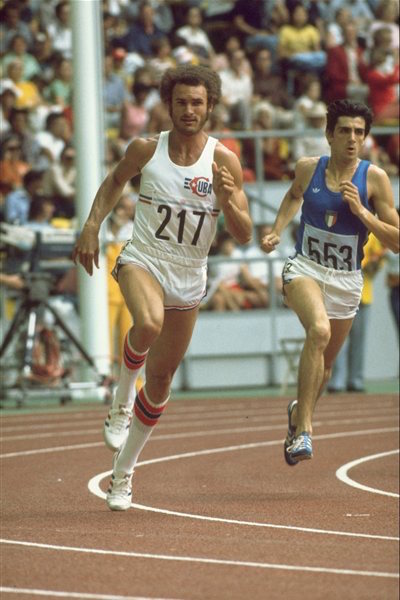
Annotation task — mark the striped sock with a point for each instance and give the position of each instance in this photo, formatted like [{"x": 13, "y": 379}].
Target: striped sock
[
  {"x": 131, "y": 365},
  {"x": 146, "y": 415}
]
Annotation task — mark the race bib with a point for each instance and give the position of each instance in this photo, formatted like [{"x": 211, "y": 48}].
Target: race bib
[{"x": 331, "y": 250}]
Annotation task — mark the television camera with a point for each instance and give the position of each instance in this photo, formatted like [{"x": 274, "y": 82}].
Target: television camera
[{"x": 40, "y": 354}]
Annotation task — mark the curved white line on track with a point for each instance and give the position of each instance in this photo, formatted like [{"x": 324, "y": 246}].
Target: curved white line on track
[
  {"x": 94, "y": 488},
  {"x": 342, "y": 475},
  {"x": 79, "y": 595},
  {"x": 208, "y": 561}
]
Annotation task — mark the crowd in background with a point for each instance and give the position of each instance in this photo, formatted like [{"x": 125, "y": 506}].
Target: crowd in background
[{"x": 280, "y": 62}]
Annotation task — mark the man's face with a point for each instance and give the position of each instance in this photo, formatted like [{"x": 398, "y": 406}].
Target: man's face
[
  {"x": 189, "y": 108},
  {"x": 348, "y": 137}
]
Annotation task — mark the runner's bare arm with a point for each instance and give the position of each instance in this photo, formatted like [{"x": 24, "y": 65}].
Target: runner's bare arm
[
  {"x": 228, "y": 187},
  {"x": 385, "y": 226},
  {"x": 291, "y": 203},
  {"x": 86, "y": 250}
]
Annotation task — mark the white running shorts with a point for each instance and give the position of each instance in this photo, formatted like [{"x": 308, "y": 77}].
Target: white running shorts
[
  {"x": 183, "y": 284},
  {"x": 341, "y": 290}
]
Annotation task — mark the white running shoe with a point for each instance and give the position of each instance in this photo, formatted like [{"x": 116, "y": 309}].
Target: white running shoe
[
  {"x": 116, "y": 427},
  {"x": 119, "y": 493}
]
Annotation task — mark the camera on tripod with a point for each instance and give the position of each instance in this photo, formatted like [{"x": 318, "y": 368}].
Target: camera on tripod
[{"x": 39, "y": 344}]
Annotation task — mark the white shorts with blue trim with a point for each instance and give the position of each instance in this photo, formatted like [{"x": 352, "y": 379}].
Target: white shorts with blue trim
[{"x": 341, "y": 290}]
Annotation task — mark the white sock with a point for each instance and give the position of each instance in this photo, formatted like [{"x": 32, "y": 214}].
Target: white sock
[
  {"x": 145, "y": 418},
  {"x": 131, "y": 366}
]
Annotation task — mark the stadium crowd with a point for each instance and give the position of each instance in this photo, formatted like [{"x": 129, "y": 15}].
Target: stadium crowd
[{"x": 280, "y": 62}]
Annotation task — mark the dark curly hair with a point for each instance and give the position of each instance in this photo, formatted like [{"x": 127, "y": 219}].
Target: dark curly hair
[
  {"x": 191, "y": 75},
  {"x": 348, "y": 108}
]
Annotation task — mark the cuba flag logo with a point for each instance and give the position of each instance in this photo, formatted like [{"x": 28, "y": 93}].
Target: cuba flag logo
[
  {"x": 200, "y": 186},
  {"x": 330, "y": 218}
]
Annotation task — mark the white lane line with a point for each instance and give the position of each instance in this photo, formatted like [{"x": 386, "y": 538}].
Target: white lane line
[
  {"x": 173, "y": 418},
  {"x": 203, "y": 560},
  {"x": 192, "y": 433},
  {"x": 94, "y": 488},
  {"x": 82, "y": 595},
  {"x": 88, "y": 445},
  {"x": 342, "y": 473}
]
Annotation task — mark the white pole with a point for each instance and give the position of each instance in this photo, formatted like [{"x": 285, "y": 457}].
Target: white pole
[{"x": 89, "y": 143}]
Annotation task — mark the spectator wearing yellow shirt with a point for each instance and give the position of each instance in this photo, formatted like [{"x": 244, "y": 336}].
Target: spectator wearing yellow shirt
[{"x": 348, "y": 370}]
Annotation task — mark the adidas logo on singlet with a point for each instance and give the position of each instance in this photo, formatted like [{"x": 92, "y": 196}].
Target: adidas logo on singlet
[{"x": 316, "y": 190}]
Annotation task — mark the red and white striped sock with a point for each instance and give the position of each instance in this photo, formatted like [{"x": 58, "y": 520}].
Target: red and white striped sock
[
  {"x": 146, "y": 415},
  {"x": 132, "y": 362}
]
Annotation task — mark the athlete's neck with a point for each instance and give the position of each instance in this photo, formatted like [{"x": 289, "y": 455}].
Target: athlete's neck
[
  {"x": 185, "y": 149},
  {"x": 341, "y": 170}
]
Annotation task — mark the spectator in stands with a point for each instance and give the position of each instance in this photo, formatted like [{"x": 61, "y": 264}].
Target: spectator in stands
[
  {"x": 135, "y": 114},
  {"x": 11, "y": 24},
  {"x": 44, "y": 54},
  {"x": 60, "y": 31},
  {"x": 221, "y": 60},
  {"x": 114, "y": 94},
  {"x": 59, "y": 183},
  {"x": 237, "y": 91},
  {"x": 18, "y": 50},
  {"x": 41, "y": 212},
  {"x": 8, "y": 96},
  {"x": 345, "y": 68},
  {"x": 387, "y": 16},
  {"x": 313, "y": 145},
  {"x": 276, "y": 150},
  {"x": 59, "y": 91},
  {"x": 334, "y": 29},
  {"x": 18, "y": 201},
  {"x": 360, "y": 12},
  {"x": 383, "y": 87},
  {"x": 29, "y": 96},
  {"x": 219, "y": 122},
  {"x": 20, "y": 127},
  {"x": 310, "y": 96},
  {"x": 260, "y": 23},
  {"x": 141, "y": 34},
  {"x": 12, "y": 166},
  {"x": 259, "y": 270},
  {"x": 300, "y": 44},
  {"x": 162, "y": 57},
  {"x": 57, "y": 133},
  {"x": 195, "y": 36},
  {"x": 268, "y": 85},
  {"x": 348, "y": 370},
  {"x": 225, "y": 291}
]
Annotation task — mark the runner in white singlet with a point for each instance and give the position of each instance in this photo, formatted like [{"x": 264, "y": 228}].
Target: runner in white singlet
[{"x": 187, "y": 178}]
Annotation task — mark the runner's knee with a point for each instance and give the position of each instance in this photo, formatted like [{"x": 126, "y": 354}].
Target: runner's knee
[{"x": 319, "y": 334}]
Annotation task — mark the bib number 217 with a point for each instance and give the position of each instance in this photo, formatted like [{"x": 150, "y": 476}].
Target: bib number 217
[{"x": 181, "y": 227}]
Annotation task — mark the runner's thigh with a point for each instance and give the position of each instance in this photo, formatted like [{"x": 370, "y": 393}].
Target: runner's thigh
[
  {"x": 304, "y": 296},
  {"x": 142, "y": 293}
]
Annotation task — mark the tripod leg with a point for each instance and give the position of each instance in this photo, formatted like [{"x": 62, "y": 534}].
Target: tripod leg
[
  {"x": 15, "y": 324},
  {"x": 29, "y": 342},
  {"x": 71, "y": 336}
]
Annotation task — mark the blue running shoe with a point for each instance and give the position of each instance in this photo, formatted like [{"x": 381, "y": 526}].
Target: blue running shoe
[
  {"x": 301, "y": 449},
  {"x": 291, "y": 434}
]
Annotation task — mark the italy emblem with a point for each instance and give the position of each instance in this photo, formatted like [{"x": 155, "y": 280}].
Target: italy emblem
[{"x": 330, "y": 218}]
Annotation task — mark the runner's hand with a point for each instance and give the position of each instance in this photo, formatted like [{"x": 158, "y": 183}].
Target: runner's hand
[
  {"x": 86, "y": 250},
  {"x": 223, "y": 183},
  {"x": 350, "y": 195},
  {"x": 269, "y": 242}
]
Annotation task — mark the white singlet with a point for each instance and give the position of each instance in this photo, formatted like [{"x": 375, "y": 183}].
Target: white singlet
[{"x": 175, "y": 224}]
